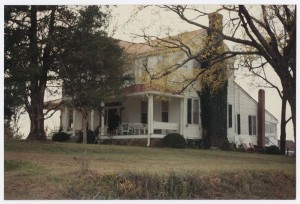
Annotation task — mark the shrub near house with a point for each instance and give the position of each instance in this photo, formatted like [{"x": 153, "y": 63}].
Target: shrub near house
[
  {"x": 90, "y": 137},
  {"x": 60, "y": 137},
  {"x": 174, "y": 140}
]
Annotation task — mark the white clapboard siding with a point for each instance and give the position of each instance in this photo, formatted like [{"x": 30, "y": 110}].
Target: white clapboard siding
[
  {"x": 245, "y": 105},
  {"x": 230, "y": 101}
]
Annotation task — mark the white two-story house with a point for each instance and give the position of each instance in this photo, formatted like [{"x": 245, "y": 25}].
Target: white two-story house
[{"x": 153, "y": 110}]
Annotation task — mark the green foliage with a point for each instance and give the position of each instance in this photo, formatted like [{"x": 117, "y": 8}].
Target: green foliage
[
  {"x": 90, "y": 137},
  {"x": 214, "y": 116},
  {"x": 36, "y": 39},
  {"x": 273, "y": 150},
  {"x": 60, "y": 137},
  {"x": 92, "y": 62},
  {"x": 174, "y": 140}
]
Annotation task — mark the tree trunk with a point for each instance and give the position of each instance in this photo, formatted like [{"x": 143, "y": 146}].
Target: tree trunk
[
  {"x": 85, "y": 126},
  {"x": 283, "y": 125},
  {"x": 289, "y": 90},
  {"x": 36, "y": 116},
  {"x": 292, "y": 103},
  {"x": 293, "y": 111}
]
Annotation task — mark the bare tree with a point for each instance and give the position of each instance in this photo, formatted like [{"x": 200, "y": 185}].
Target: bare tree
[
  {"x": 270, "y": 31},
  {"x": 266, "y": 32}
]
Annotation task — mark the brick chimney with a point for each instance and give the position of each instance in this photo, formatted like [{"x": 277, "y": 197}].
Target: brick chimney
[
  {"x": 216, "y": 21},
  {"x": 261, "y": 118}
]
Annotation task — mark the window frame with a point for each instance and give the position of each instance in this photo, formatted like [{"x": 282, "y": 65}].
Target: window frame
[
  {"x": 192, "y": 113},
  {"x": 252, "y": 125},
  {"x": 144, "y": 113},
  {"x": 165, "y": 111}
]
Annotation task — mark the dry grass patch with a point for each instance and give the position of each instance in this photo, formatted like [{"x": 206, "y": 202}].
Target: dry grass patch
[{"x": 60, "y": 170}]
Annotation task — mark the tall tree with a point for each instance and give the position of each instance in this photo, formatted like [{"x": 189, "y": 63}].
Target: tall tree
[
  {"x": 35, "y": 37},
  {"x": 92, "y": 65}
]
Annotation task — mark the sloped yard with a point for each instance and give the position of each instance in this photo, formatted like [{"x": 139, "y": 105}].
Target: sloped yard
[{"x": 75, "y": 171}]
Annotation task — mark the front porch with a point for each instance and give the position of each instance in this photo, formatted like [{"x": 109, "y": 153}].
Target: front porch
[
  {"x": 140, "y": 131},
  {"x": 142, "y": 116}
]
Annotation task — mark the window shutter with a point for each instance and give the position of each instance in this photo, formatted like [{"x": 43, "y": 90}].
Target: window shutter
[
  {"x": 189, "y": 111},
  {"x": 250, "y": 124},
  {"x": 230, "y": 115},
  {"x": 195, "y": 111},
  {"x": 239, "y": 124},
  {"x": 254, "y": 124}
]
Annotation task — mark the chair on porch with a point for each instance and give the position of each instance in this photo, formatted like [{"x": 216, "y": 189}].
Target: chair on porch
[
  {"x": 125, "y": 129},
  {"x": 139, "y": 128}
]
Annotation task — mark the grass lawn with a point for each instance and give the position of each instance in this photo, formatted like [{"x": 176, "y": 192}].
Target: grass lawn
[{"x": 62, "y": 170}]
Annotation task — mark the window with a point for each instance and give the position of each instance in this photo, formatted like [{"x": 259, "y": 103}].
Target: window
[
  {"x": 252, "y": 124},
  {"x": 144, "y": 112},
  {"x": 193, "y": 111},
  {"x": 204, "y": 64},
  {"x": 165, "y": 111},
  {"x": 230, "y": 115},
  {"x": 238, "y": 124},
  {"x": 270, "y": 127}
]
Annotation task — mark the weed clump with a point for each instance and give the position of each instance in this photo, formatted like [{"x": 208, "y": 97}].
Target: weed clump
[{"x": 173, "y": 185}]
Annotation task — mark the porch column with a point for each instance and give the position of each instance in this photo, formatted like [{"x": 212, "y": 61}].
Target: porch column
[
  {"x": 92, "y": 120},
  {"x": 74, "y": 122},
  {"x": 181, "y": 125},
  {"x": 150, "y": 118},
  {"x": 102, "y": 119},
  {"x": 66, "y": 120}
]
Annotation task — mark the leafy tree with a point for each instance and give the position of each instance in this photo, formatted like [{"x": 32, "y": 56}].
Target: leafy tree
[
  {"x": 35, "y": 38},
  {"x": 92, "y": 64},
  {"x": 28, "y": 58}
]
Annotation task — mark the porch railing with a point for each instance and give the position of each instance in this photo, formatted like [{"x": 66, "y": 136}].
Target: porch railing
[{"x": 165, "y": 126}]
